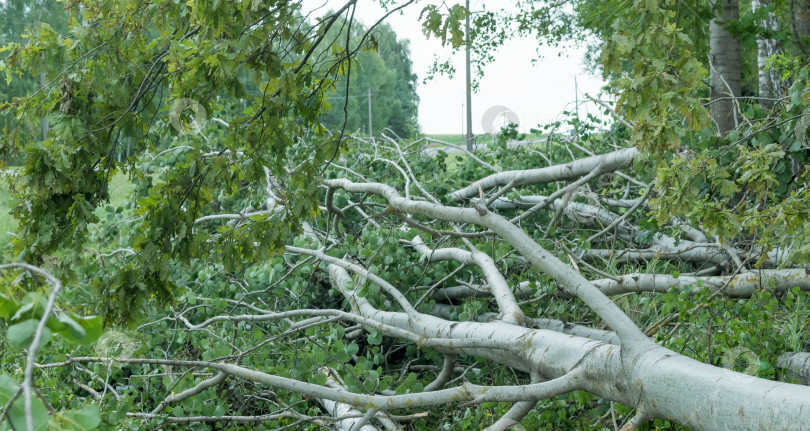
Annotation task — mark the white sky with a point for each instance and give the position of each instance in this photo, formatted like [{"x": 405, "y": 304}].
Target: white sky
[{"x": 537, "y": 93}]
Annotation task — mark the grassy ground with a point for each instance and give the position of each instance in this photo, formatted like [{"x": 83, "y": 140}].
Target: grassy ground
[
  {"x": 458, "y": 139},
  {"x": 452, "y": 139}
]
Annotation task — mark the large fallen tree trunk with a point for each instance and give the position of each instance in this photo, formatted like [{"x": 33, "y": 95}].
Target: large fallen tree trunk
[
  {"x": 658, "y": 382},
  {"x": 569, "y": 171},
  {"x": 737, "y": 286},
  {"x": 616, "y": 361}
]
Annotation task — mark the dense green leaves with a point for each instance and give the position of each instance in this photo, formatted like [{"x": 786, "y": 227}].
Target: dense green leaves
[
  {"x": 21, "y": 335},
  {"x": 101, "y": 109},
  {"x": 381, "y": 75},
  {"x": 164, "y": 113}
]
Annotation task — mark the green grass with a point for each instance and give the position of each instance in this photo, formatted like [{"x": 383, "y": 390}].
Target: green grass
[
  {"x": 451, "y": 139},
  {"x": 458, "y": 139}
]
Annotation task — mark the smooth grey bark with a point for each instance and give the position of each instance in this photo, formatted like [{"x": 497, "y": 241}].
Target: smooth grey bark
[
  {"x": 188, "y": 393},
  {"x": 737, "y": 286},
  {"x": 798, "y": 363},
  {"x": 658, "y": 382},
  {"x": 662, "y": 246},
  {"x": 574, "y": 283},
  {"x": 570, "y": 171},
  {"x": 338, "y": 409},
  {"x": 771, "y": 87},
  {"x": 742, "y": 285},
  {"x": 725, "y": 67},
  {"x": 445, "y": 311},
  {"x": 498, "y": 287},
  {"x": 800, "y": 21}
]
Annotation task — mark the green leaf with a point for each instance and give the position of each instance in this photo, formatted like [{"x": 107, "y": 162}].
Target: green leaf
[
  {"x": 8, "y": 389},
  {"x": 375, "y": 338},
  {"x": 219, "y": 411},
  {"x": 622, "y": 42},
  {"x": 27, "y": 307},
  {"x": 7, "y": 306},
  {"x": 88, "y": 418},
  {"x": 79, "y": 329},
  {"x": 92, "y": 325},
  {"x": 21, "y": 335},
  {"x": 72, "y": 330}
]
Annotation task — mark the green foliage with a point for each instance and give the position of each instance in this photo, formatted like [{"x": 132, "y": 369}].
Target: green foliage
[
  {"x": 20, "y": 19},
  {"x": 16, "y": 414},
  {"x": 445, "y": 25},
  {"x": 383, "y": 71},
  {"x": 24, "y": 315},
  {"x": 788, "y": 66},
  {"x": 190, "y": 51},
  {"x": 112, "y": 201},
  {"x": 658, "y": 94}
]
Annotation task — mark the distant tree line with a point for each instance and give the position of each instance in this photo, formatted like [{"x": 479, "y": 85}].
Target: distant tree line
[{"x": 384, "y": 69}]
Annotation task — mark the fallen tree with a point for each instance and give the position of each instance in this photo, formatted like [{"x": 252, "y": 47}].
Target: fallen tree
[
  {"x": 621, "y": 364},
  {"x": 263, "y": 271}
]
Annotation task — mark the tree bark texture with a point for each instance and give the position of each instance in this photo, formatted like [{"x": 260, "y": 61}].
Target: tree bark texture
[
  {"x": 639, "y": 373},
  {"x": 724, "y": 59},
  {"x": 800, "y": 20},
  {"x": 771, "y": 86}
]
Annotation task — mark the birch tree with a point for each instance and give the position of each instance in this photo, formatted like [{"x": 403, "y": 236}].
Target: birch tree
[{"x": 269, "y": 272}]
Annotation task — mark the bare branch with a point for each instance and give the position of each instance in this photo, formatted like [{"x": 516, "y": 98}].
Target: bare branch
[
  {"x": 570, "y": 171},
  {"x": 510, "y": 311}
]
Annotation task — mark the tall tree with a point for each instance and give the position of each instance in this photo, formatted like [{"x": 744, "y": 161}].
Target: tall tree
[
  {"x": 21, "y": 18},
  {"x": 266, "y": 273},
  {"x": 725, "y": 66},
  {"x": 396, "y": 54},
  {"x": 800, "y": 21},
  {"x": 383, "y": 70},
  {"x": 771, "y": 86}
]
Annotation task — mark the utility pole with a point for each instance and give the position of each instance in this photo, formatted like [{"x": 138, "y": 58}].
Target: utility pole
[
  {"x": 370, "y": 129},
  {"x": 470, "y": 138}
]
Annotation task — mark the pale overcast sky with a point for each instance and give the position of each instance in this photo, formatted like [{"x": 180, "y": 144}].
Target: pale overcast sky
[{"x": 537, "y": 92}]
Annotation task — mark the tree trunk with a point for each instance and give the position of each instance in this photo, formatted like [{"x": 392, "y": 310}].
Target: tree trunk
[
  {"x": 771, "y": 87},
  {"x": 724, "y": 60},
  {"x": 800, "y": 20},
  {"x": 658, "y": 382}
]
